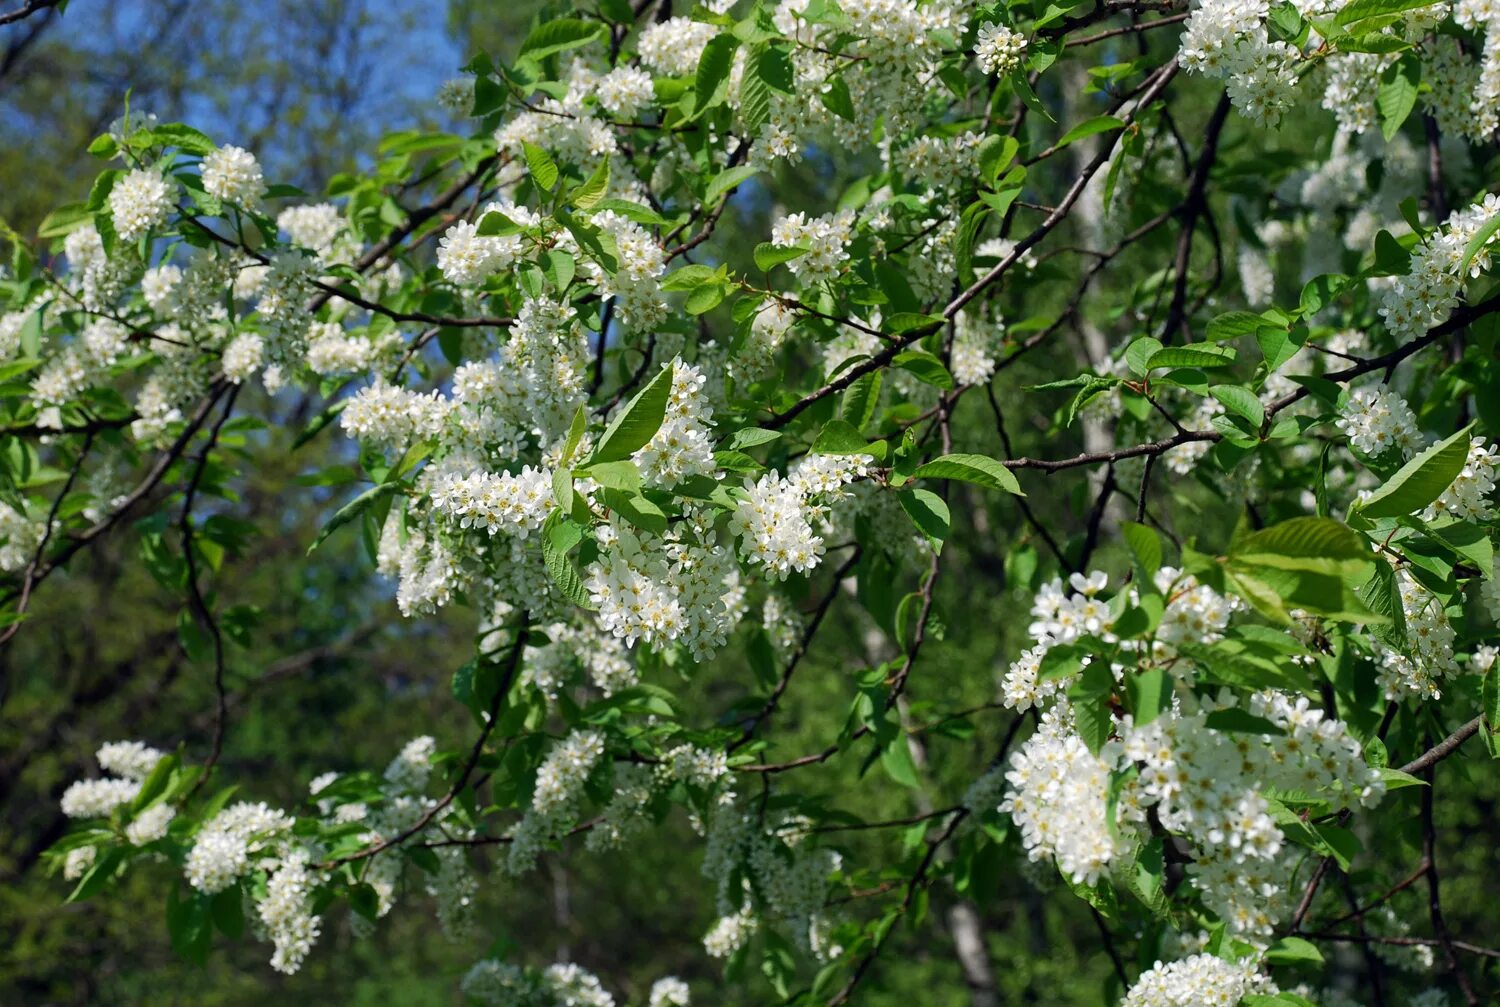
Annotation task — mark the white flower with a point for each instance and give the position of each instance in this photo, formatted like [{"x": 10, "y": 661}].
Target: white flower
[
  {"x": 669, "y": 992},
  {"x": 130, "y": 759},
  {"x": 1199, "y": 981},
  {"x": 286, "y": 913},
  {"x": 1377, "y": 420},
  {"x": 151, "y": 824},
  {"x": 233, "y": 175},
  {"x": 97, "y": 798},
  {"x": 999, "y": 49},
  {"x": 138, "y": 202}
]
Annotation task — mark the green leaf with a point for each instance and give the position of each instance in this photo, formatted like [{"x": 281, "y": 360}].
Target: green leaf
[
  {"x": 106, "y": 862},
  {"x": 926, "y": 367},
  {"x": 1358, "y": 10},
  {"x": 228, "y": 912},
  {"x": 903, "y": 322},
  {"x": 643, "y": 215},
  {"x": 768, "y": 255},
  {"x": 1191, "y": 356},
  {"x": 495, "y": 224},
  {"x": 636, "y": 509},
  {"x": 977, "y": 469},
  {"x": 1236, "y": 663},
  {"x": 638, "y": 422},
  {"x": 1318, "y": 544},
  {"x": 183, "y": 138},
  {"x": 994, "y": 154},
  {"x": 1397, "y": 94},
  {"x": 1149, "y": 692},
  {"x": 1090, "y": 127},
  {"x": 1240, "y": 401},
  {"x": 575, "y": 433},
  {"x": 705, "y": 298},
  {"x": 1480, "y": 239},
  {"x": 1145, "y": 544},
  {"x": 749, "y": 437},
  {"x": 64, "y": 220},
  {"x": 559, "y": 536},
  {"x": 861, "y": 400},
  {"x": 928, "y": 512},
  {"x": 1094, "y": 722},
  {"x": 836, "y": 98},
  {"x": 1233, "y": 325},
  {"x": 541, "y": 166},
  {"x": 1139, "y": 353},
  {"x": 588, "y": 194},
  {"x": 1292, "y": 951},
  {"x": 1391, "y": 257},
  {"x": 556, "y": 35},
  {"x": 688, "y": 277},
  {"x": 1420, "y": 481},
  {"x": 896, "y": 760},
  {"x": 755, "y": 93},
  {"x": 713, "y": 72},
  {"x": 725, "y": 181},
  {"x": 840, "y": 437},
  {"x": 353, "y": 509}
]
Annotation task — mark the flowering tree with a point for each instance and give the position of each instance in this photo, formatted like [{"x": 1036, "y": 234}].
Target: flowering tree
[{"x": 650, "y": 438}]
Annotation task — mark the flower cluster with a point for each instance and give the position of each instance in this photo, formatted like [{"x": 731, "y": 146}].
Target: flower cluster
[
  {"x": 554, "y": 802},
  {"x": 1058, "y": 795},
  {"x": 233, "y": 175},
  {"x": 1424, "y": 296},
  {"x": 826, "y": 239},
  {"x": 514, "y": 503},
  {"x": 1377, "y": 420},
  {"x": 1197, "y": 982},
  {"x": 998, "y": 48},
  {"x": 132, "y": 762}
]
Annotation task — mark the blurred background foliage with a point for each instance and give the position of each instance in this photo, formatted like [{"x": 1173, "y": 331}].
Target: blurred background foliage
[{"x": 334, "y": 678}]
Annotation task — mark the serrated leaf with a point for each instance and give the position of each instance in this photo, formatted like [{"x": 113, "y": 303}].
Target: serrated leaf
[
  {"x": 1420, "y": 481},
  {"x": 559, "y": 34},
  {"x": 1145, "y": 544},
  {"x": 1292, "y": 951},
  {"x": 559, "y": 536},
  {"x": 1139, "y": 353},
  {"x": 861, "y": 400},
  {"x": 588, "y": 194},
  {"x": 1480, "y": 239},
  {"x": 541, "y": 166},
  {"x": 353, "y": 509},
  {"x": 1233, "y": 325},
  {"x": 638, "y": 422},
  {"x": 768, "y": 255},
  {"x": 749, "y": 437},
  {"x": 1397, "y": 94},
  {"x": 495, "y": 224},
  {"x": 1358, "y": 10},
  {"x": 928, "y": 512},
  {"x": 1305, "y": 543},
  {"x": 840, "y": 437},
  {"x": 713, "y": 72},
  {"x": 1091, "y": 127},
  {"x": 977, "y": 469},
  {"x": 1191, "y": 356},
  {"x": 755, "y": 93},
  {"x": 725, "y": 181},
  {"x": 1241, "y": 402},
  {"x": 926, "y": 367},
  {"x": 836, "y": 98}
]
